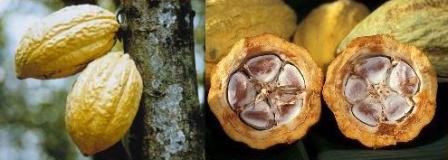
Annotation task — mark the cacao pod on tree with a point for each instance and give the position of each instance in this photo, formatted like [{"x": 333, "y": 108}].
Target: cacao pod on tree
[
  {"x": 103, "y": 102},
  {"x": 62, "y": 43}
]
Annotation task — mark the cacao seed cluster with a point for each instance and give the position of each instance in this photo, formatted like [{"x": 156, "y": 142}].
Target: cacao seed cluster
[
  {"x": 380, "y": 84},
  {"x": 104, "y": 100}
]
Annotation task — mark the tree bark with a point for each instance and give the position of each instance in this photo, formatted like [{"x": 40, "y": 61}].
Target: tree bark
[{"x": 158, "y": 35}]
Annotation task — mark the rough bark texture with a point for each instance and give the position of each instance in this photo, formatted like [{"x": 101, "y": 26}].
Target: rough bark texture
[{"x": 158, "y": 34}]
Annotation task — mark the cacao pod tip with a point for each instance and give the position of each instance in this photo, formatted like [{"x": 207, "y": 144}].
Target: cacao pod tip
[
  {"x": 85, "y": 154},
  {"x": 20, "y": 76}
]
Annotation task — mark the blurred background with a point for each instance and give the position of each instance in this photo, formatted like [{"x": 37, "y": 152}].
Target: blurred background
[{"x": 32, "y": 111}]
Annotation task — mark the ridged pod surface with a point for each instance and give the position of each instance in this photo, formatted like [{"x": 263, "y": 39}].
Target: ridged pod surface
[
  {"x": 62, "y": 43},
  {"x": 103, "y": 102},
  {"x": 228, "y": 21},
  {"x": 325, "y": 27},
  {"x": 422, "y": 23}
]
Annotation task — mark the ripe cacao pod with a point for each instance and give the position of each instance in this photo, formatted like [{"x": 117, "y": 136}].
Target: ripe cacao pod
[
  {"x": 422, "y": 23},
  {"x": 267, "y": 92},
  {"x": 381, "y": 91},
  {"x": 228, "y": 21},
  {"x": 62, "y": 43},
  {"x": 103, "y": 102},
  {"x": 325, "y": 27}
]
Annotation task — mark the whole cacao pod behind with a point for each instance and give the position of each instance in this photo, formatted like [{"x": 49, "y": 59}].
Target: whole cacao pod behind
[
  {"x": 103, "y": 102},
  {"x": 422, "y": 23},
  {"x": 325, "y": 27},
  {"x": 228, "y": 21},
  {"x": 62, "y": 43}
]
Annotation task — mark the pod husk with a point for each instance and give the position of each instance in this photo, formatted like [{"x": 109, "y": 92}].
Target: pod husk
[
  {"x": 64, "y": 42},
  {"x": 385, "y": 134},
  {"x": 234, "y": 127}
]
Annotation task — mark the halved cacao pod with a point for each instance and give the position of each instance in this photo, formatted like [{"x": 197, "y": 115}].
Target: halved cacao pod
[
  {"x": 103, "y": 102},
  {"x": 228, "y": 21},
  {"x": 267, "y": 92},
  {"x": 380, "y": 91},
  {"x": 62, "y": 43}
]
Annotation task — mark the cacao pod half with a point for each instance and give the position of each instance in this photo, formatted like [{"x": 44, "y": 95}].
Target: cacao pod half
[
  {"x": 381, "y": 91},
  {"x": 103, "y": 102},
  {"x": 422, "y": 23},
  {"x": 325, "y": 27},
  {"x": 62, "y": 43},
  {"x": 267, "y": 92},
  {"x": 228, "y": 21}
]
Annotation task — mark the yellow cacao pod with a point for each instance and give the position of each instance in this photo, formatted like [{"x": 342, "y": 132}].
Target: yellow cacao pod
[
  {"x": 325, "y": 27},
  {"x": 422, "y": 23},
  {"x": 103, "y": 102},
  {"x": 228, "y": 21},
  {"x": 62, "y": 43}
]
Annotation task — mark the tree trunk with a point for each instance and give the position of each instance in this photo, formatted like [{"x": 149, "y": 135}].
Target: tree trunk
[{"x": 158, "y": 35}]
